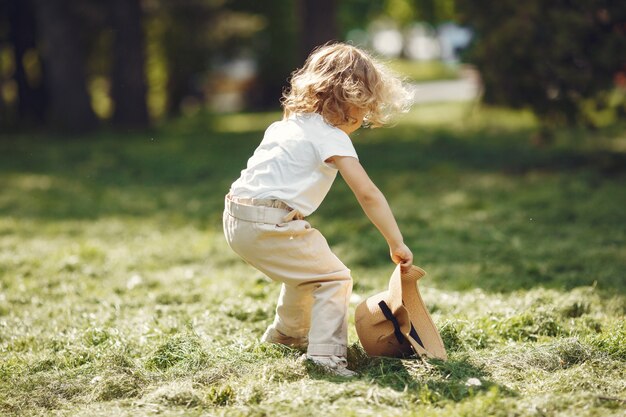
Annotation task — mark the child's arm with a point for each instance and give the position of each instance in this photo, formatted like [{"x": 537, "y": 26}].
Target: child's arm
[{"x": 375, "y": 206}]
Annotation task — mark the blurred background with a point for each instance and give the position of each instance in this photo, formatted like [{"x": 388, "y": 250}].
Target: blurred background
[{"x": 81, "y": 65}]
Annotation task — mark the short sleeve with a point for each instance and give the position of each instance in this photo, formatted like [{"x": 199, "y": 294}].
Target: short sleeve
[{"x": 336, "y": 144}]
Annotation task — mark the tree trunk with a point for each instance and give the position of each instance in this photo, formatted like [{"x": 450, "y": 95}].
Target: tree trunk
[
  {"x": 277, "y": 49},
  {"x": 186, "y": 48},
  {"x": 22, "y": 34},
  {"x": 318, "y": 24},
  {"x": 64, "y": 61},
  {"x": 128, "y": 78}
]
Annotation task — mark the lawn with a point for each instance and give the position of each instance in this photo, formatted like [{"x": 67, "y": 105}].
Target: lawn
[
  {"x": 119, "y": 296},
  {"x": 420, "y": 71}
]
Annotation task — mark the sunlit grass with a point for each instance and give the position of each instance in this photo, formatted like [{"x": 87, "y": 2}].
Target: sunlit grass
[
  {"x": 420, "y": 71},
  {"x": 119, "y": 296},
  {"x": 242, "y": 122},
  {"x": 467, "y": 115}
]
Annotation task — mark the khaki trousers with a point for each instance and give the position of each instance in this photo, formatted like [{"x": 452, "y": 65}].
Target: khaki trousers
[{"x": 316, "y": 285}]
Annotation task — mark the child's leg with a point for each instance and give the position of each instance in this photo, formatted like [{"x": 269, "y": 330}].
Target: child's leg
[
  {"x": 328, "y": 303},
  {"x": 293, "y": 311},
  {"x": 318, "y": 302},
  {"x": 329, "y": 327},
  {"x": 293, "y": 318},
  {"x": 319, "y": 309}
]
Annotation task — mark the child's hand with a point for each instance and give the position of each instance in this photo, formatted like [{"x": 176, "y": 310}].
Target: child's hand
[{"x": 402, "y": 255}]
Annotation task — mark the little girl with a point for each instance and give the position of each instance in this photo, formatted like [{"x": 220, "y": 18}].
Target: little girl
[{"x": 339, "y": 88}]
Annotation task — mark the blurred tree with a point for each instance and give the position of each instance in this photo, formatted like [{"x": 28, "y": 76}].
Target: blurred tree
[
  {"x": 63, "y": 56},
  {"x": 435, "y": 11},
  {"x": 552, "y": 57},
  {"x": 318, "y": 24},
  {"x": 186, "y": 45},
  {"x": 356, "y": 14},
  {"x": 293, "y": 30},
  {"x": 402, "y": 11},
  {"x": 128, "y": 75},
  {"x": 65, "y": 51},
  {"x": 196, "y": 35},
  {"x": 275, "y": 48},
  {"x": 22, "y": 35}
]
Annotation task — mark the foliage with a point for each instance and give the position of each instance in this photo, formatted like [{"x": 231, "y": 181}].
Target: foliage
[
  {"x": 119, "y": 296},
  {"x": 558, "y": 58}
]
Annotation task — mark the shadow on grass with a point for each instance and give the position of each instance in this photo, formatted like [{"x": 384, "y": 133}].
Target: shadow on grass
[
  {"x": 454, "y": 380},
  {"x": 479, "y": 208},
  {"x": 430, "y": 381},
  {"x": 426, "y": 382},
  {"x": 509, "y": 153},
  {"x": 108, "y": 175}
]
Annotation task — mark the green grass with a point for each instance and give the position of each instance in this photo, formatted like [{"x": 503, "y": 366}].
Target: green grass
[
  {"x": 421, "y": 71},
  {"x": 119, "y": 296}
]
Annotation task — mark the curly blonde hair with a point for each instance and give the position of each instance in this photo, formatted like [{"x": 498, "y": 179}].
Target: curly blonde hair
[{"x": 338, "y": 76}]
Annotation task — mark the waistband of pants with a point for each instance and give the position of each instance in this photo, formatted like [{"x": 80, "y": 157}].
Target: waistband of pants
[{"x": 260, "y": 210}]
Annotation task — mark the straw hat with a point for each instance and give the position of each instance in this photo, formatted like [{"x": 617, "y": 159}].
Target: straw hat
[{"x": 396, "y": 323}]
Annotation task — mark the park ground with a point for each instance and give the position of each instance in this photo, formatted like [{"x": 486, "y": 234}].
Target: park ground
[{"x": 119, "y": 296}]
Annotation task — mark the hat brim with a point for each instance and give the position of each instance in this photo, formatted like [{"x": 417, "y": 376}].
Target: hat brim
[{"x": 421, "y": 331}]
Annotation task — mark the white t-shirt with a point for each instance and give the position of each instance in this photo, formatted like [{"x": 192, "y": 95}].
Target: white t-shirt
[{"x": 289, "y": 163}]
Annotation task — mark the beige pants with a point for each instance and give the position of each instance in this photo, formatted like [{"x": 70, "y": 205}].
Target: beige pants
[{"x": 316, "y": 285}]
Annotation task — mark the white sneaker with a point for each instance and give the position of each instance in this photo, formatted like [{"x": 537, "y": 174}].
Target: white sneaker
[
  {"x": 334, "y": 364},
  {"x": 272, "y": 335}
]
